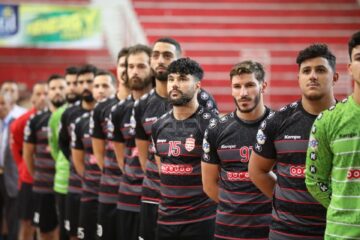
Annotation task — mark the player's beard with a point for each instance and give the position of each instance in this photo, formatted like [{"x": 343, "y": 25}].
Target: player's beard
[
  {"x": 183, "y": 99},
  {"x": 161, "y": 76},
  {"x": 58, "y": 102},
  {"x": 313, "y": 97},
  {"x": 87, "y": 96},
  {"x": 72, "y": 97},
  {"x": 139, "y": 84},
  {"x": 256, "y": 101}
]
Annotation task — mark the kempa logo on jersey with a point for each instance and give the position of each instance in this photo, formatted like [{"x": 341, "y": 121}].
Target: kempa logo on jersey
[
  {"x": 353, "y": 174},
  {"x": 237, "y": 176},
  {"x": 297, "y": 171},
  {"x": 172, "y": 169},
  {"x": 227, "y": 146},
  {"x": 151, "y": 119},
  {"x": 295, "y": 137}
]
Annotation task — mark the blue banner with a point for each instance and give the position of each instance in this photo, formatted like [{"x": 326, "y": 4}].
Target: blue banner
[{"x": 9, "y": 20}]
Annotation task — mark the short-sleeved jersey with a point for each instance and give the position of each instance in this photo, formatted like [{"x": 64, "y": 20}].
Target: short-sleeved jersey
[
  {"x": 284, "y": 136},
  {"x": 67, "y": 119},
  {"x": 147, "y": 110},
  {"x": 80, "y": 140},
  {"x": 36, "y": 132},
  {"x": 122, "y": 118},
  {"x": 99, "y": 128},
  {"x": 333, "y": 168},
  {"x": 243, "y": 211},
  {"x": 179, "y": 146}
]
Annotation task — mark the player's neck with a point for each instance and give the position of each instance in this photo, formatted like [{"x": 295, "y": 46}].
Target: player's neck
[
  {"x": 122, "y": 92},
  {"x": 317, "y": 106},
  {"x": 88, "y": 105},
  {"x": 356, "y": 94},
  {"x": 257, "y": 113},
  {"x": 161, "y": 88},
  {"x": 136, "y": 94},
  {"x": 184, "y": 112}
]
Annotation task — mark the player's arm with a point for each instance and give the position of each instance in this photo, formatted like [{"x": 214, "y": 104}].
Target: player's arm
[
  {"x": 319, "y": 163},
  {"x": 119, "y": 149},
  {"x": 158, "y": 162},
  {"x": 98, "y": 146},
  {"x": 77, "y": 148},
  {"x": 260, "y": 172},
  {"x": 28, "y": 155},
  {"x": 78, "y": 159},
  {"x": 143, "y": 148},
  {"x": 210, "y": 180}
]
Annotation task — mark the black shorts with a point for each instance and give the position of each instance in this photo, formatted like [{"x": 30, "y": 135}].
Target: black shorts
[
  {"x": 72, "y": 210},
  {"x": 26, "y": 202},
  {"x": 128, "y": 225},
  {"x": 88, "y": 220},
  {"x": 148, "y": 221},
  {"x": 45, "y": 216},
  {"x": 203, "y": 230},
  {"x": 106, "y": 226}
]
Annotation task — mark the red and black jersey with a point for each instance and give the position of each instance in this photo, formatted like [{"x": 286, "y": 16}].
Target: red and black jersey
[
  {"x": 179, "y": 146},
  {"x": 147, "y": 110},
  {"x": 244, "y": 211},
  {"x": 67, "y": 119},
  {"x": 123, "y": 126},
  {"x": 36, "y": 132},
  {"x": 99, "y": 128},
  {"x": 80, "y": 140},
  {"x": 284, "y": 136}
]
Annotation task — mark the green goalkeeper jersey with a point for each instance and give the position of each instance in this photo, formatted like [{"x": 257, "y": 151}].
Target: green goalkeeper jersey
[
  {"x": 333, "y": 168},
  {"x": 62, "y": 165}
]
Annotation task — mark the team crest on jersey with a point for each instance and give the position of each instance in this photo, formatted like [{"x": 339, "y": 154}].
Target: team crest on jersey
[
  {"x": 260, "y": 137},
  {"x": 209, "y": 104},
  {"x": 206, "y": 115},
  {"x": 190, "y": 144},
  {"x": 206, "y": 146},
  {"x": 204, "y": 96}
]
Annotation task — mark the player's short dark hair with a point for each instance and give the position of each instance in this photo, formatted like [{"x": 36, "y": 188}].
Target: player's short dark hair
[
  {"x": 54, "y": 77},
  {"x": 171, "y": 41},
  {"x": 248, "y": 67},
  {"x": 139, "y": 48},
  {"x": 102, "y": 72},
  {"x": 186, "y": 66},
  {"x": 123, "y": 52},
  {"x": 353, "y": 42},
  {"x": 314, "y": 51},
  {"x": 72, "y": 70},
  {"x": 88, "y": 68}
]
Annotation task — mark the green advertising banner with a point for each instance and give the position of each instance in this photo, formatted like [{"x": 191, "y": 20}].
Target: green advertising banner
[{"x": 49, "y": 26}]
